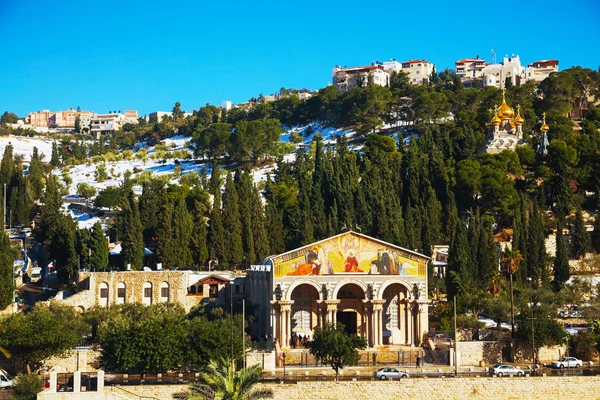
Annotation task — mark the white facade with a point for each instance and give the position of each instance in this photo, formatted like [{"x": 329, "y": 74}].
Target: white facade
[
  {"x": 106, "y": 124},
  {"x": 226, "y": 105},
  {"x": 539, "y": 70},
  {"x": 470, "y": 69},
  {"x": 418, "y": 71},
  {"x": 496, "y": 74},
  {"x": 158, "y": 115},
  {"x": 346, "y": 78}
]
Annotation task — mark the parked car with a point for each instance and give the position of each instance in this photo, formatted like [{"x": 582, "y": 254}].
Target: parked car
[
  {"x": 506, "y": 370},
  {"x": 567, "y": 362},
  {"x": 5, "y": 379},
  {"x": 389, "y": 373}
]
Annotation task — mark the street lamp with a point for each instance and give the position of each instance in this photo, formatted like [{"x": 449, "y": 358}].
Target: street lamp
[{"x": 283, "y": 357}]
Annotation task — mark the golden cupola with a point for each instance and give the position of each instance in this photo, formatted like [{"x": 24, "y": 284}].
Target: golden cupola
[
  {"x": 518, "y": 119},
  {"x": 504, "y": 111},
  {"x": 495, "y": 119},
  {"x": 545, "y": 128}
]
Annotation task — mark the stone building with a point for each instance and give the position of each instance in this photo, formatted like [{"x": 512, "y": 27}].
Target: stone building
[
  {"x": 377, "y": 290},
  {"x": 187, "y": 288}
]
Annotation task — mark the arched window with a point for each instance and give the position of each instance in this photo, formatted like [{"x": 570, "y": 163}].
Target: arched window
[
  {"x": 164, "y": 291},
  {"x": 103, "y": 294},
  {"x": 147, "y": 293},
  {"x": 121, "y": 293}
]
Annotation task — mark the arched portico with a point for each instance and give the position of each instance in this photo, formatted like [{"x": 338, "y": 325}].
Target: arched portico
[{"x": 294, "y": 285}]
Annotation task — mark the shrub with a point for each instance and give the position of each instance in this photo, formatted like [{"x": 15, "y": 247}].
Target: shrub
[{"x": 27, "y": 387}]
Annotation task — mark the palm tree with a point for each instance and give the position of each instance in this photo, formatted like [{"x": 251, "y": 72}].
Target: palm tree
[
  {"x": 222, "y": 382},
  {"x": 496, "y": 283},
  {"x": 511, "y": 261}
]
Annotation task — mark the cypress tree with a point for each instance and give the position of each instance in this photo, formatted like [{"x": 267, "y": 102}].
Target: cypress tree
[
  {"x": 166, "y": 250},
  {"x": 199, "y": 235},
  {"x": 244, "y": 189},
  {"x": 7, "y": 166},
  {"x": 130, "y": 232},
  {"x": 561, "y": 261},
  {"x": 474, "y": 235},
  {"x": 98, "y": 249},
  {"x": 261, "y": 239},
  {"x": 535, "y": 257},
  {"x": 317, "y": 202},
  {"x": 579, "y": 236},
  {"x": 232, "y": 222},
  {"x": 486, "y": 251},
  {"x": 62, "y": 249},
  {"x": 596, "y": 234},
  {"x": 219, "y": 249},
  {"x": 458, "y": 262},
  {"x": 7, "y": 284},
  {"x": 182, "y": 235},
  {"x": 35, "y": 176},
  {"x": 55, "y": 159}
]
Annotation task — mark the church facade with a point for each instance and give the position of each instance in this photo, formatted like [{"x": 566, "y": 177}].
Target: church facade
[
  {"x": 376, "y": 289},
  {"x": 505, "y": 130}
]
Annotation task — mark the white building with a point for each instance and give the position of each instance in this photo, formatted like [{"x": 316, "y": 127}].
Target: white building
[
  {"x": 106, "y": 124},
  {"x": 470, "y": 69},
  {"x": 418, "y": 71},
  {"x": 346, "y": 78},
  {"x": 539, "y": 70},
  {"x": 505, "y": 130},
  {"x": 226, "y": 105},
  {"x": 496, "y": 74}
]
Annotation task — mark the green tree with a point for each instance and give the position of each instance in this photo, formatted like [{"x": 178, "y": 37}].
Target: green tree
[
  {"x": 596, "y": 234},
  {"x": 561, "y": 261},
  {"x": 231, "y": 222},
  {"x": 129, "y": 229},
  {"x": 98, "y": 246},
  {"x": 26, "y": 387},
  {"x": 332, "y": 346},
  {"x": 221, "y": 381},
  {"x": 7, "y": 282},
  {"x": 182, "y": 235},
  {"x": 199, "y": 240},
  {"x": 579, "y": 236},
  {"x": 85, "y": 190},
  {"x": 55, "y": 158},
  {"x": 45, "y": 332}
]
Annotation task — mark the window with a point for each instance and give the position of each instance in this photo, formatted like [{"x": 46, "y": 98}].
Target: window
[
  {"x": 148, "y": 292},
  {"x": 164, "y": 291},
  {"x": 302, "y": 319},
  {"x": 104, "y": 293},
  {"x": 213, "y": 291},
  {"x": 121, "y": 292}
]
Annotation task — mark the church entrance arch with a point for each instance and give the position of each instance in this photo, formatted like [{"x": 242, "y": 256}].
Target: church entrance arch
[
  {"x": 305, "y": 309},
  {"x": 397, "y": 314},
  {"x": 350, "y": 310}
]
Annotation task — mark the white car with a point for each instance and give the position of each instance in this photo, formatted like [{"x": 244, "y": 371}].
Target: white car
[
  {"x": 389, "y": 373},
  {"x": 567, "y": 362},
  {"x": 5, "y": 379},
  {"x": 506, "y": 370}
]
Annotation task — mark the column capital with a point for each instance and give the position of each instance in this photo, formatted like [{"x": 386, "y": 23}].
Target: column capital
[
  {"x": 378, "y": 304},
  {"x": 332, "y": 304}
]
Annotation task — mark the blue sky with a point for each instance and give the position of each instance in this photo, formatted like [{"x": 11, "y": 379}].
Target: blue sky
[{"x": 146, "y": 55}]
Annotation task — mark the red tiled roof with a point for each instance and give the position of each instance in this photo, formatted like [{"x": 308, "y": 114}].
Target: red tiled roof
[
  {"x": 544, "y": 63},
  {"x": 416, "y": 61},
  {"x": 465, "y": 60}
]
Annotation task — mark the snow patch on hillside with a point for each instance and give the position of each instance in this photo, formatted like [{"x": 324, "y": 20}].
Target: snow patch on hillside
[{"x": 24, "y": 146}]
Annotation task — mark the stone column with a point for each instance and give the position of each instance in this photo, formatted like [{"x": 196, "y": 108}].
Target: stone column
[
  {"x": 378, "y": 319},
  {"x": 100, "y": 381},
  {"x": 53, "y": 381},
  {"x": 286, "y": 309},
  {"x": 402, "y": 320},
  {"x": 332, "y": 306},
  {"x": 409, "y": 324},
  {"x": 77, "y": 382},
  {"x": 424, "y": 317}
]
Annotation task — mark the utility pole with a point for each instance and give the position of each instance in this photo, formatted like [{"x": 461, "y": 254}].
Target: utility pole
[
  {"x": 532, "y": 327},
  {"x": 455, "y": 342}
]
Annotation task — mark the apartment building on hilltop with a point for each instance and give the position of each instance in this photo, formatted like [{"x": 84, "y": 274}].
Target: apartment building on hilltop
[
  {"x": 346, "y": 78},
  {"x": 418, "y": 71},
  {"x": 469, "y": 70},
  {"x": 539, "y": 70},
  {"x": 58, "y": 119}
]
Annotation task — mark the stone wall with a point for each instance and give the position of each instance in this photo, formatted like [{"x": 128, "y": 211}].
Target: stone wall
[
  {"x": 472, "y": 353},
  {"x": 87, "y": 360},
  {"x": 431, "y": 388}
]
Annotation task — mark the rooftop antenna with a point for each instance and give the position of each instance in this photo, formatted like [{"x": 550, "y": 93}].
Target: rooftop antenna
[{"x": 493, "y": 56}]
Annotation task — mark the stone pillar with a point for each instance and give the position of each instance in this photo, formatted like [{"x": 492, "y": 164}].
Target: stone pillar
[
  {"x": 409, "y": 324},
  {"x": 332, "y": 306},
  {"x": 77, "y": 382},
  {"x": 402, "y": 320},
  {"x": 286, "y": 311},
  {"x": 378, "y": 319},
  {"x": 100, "y": 381},
  {"x": 320, "y": 323},
  {"x": 53, "y": 381}
]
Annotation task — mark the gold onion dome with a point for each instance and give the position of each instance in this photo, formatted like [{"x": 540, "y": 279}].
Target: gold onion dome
[
  {"x": 545, "y": 128},
  {"x": 518, "y": 119},
  {"x": 505, "y": 112},
  {"x": 495, "y": 119}
]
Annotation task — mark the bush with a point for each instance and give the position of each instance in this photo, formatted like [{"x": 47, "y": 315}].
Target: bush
[{"x": 27, "y": 387}]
